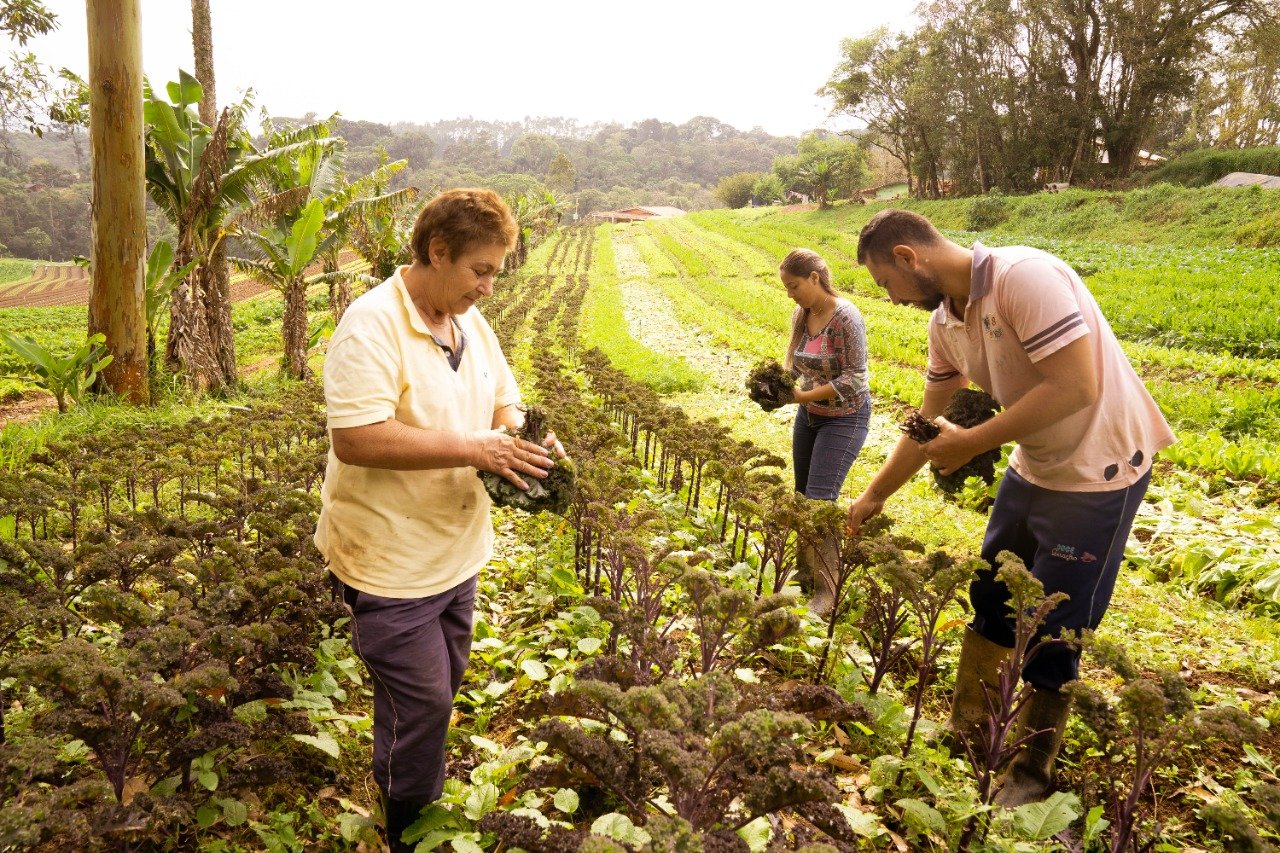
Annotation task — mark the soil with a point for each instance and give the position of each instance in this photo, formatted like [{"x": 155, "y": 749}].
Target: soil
[
  {"x": 32, "y": 405},
  {"x": 73, "y": 288}
]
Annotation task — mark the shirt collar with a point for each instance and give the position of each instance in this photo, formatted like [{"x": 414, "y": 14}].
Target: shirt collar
[
  {"x": 983, "y": 270},
  {"x": 979, "y": 285},
  {"x": 411, "y": 311}
]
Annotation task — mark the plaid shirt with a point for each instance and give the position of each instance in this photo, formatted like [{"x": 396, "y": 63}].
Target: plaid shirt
[{"x": 836, "y": 355}]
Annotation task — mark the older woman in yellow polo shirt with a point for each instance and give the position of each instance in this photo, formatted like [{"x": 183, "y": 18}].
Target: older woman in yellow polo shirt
[{"x": 418, "y": 393}]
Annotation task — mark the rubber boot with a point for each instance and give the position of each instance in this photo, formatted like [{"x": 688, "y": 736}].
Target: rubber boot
[
  {"x": 980, "y": 661},
  {"x": 1028, "y": 779},
  {"x": 399, "y": 815},
  {"x": 805, "y": 562},
  {"x": 826, "y": 568}
]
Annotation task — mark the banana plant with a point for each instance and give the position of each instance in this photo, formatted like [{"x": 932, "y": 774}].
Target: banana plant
[
  {"x": 200, "y": 176},
  {"x": 283, "y": 256},
  {"x": 381, "y": 229},
  {"x": 536, "y": 214},
  {"x": 162, "y": 278},
  {"x": 376, "y": 221},
  {"x": 292, "y": 191},
  {"x": 63, "y": 376}
]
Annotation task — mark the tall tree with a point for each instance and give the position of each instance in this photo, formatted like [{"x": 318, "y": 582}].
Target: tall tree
[
  {"x": 117, "y": 306},
  {"x": 1236, "y": 103},
  {"x": 879, "y": 81},
  {"x": 24, "y": 83}
]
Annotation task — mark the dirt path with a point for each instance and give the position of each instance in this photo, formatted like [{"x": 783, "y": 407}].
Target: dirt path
[
  {"x": 652, "y": 321},
  {"x": 32, "y": 405}
]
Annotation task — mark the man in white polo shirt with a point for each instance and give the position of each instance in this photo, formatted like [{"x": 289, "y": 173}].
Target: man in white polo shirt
[
  {"x": 418, "y": 393},
  {"x": 1021, "y": 325}
]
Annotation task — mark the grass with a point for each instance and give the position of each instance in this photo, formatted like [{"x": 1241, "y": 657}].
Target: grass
[
  {"x": 605, "y": 326},
  {"x": 15, "y": 269}
]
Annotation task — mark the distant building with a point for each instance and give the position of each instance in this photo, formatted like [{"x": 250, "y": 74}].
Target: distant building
[
  {"x": 636, "y": 214},
  {"x": 1248, "y": 179},
  {"x": 1144, "y": 160}
]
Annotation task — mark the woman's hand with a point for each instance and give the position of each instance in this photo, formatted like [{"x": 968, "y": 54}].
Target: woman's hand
[
  {"x": 553, "y": 444},
  {"x": 499, "y": 453}
]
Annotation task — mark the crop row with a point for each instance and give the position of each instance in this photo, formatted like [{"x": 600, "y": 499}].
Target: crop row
[
  {"x": 1202, "y": 394},
  {"x": 1150, "y": 294}
]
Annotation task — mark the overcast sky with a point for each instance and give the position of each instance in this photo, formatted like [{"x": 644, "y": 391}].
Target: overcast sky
[{"x": 746, "y": 63}]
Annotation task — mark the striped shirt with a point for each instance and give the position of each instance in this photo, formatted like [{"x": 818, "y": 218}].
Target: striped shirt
[{"x": 1024, "y": 305}]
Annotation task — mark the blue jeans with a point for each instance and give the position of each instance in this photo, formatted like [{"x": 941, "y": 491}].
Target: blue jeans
[
  {"x": 1072, "y": 542},
  {"x": 823, "y": 449}
]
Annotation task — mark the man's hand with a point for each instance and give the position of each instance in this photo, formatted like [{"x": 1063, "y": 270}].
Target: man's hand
[
  {"x": 863, "y": 507},
  {"x": 499, "y": 453},
  {"x": 953, "y": 447}
]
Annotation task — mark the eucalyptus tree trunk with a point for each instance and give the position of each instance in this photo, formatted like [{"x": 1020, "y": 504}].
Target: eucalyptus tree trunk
[
  {"x": 117, "y": 305},
  {"x": 217, "y": 294},
  {"x": 295, "y": 329}
]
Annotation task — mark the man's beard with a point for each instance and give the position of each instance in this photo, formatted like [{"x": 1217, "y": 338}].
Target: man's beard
[{"x": 928, "y": 285}]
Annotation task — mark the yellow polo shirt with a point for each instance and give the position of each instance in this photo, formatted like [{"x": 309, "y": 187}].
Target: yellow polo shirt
[{"x": 407, "y": 534}]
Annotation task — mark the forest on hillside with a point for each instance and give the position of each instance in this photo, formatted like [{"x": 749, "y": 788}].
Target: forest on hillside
[{"x": 44, "y": 181}]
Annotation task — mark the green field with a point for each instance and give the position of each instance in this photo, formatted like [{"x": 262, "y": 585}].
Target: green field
[{"x": 635, "y": 339}]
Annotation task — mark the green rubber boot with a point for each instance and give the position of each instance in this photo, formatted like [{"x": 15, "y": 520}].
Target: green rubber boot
[
  {"x": 1030, "y": 776},
  {"x": 980, "y": 661}
]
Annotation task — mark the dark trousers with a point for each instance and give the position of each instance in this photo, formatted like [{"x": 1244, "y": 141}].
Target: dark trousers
[
  {"x": 1072, "y": 542},
  {"x": 416, "y": 651},
  {"x": 823, "y": 450}
]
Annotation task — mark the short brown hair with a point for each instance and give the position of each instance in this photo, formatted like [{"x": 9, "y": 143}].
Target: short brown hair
[
  {"x": 463, "y": 218},
  {"x": 895, "y": 227}
]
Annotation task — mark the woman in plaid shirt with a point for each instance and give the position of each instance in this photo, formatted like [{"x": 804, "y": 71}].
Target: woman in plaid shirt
[{"x": 828, "y": 356}]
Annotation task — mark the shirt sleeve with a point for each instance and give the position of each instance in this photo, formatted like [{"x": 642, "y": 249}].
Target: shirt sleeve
[
  {"x": 850, "y": 340},
  {"x": 362, "y": 383},
  {"x": 1039, "y": 301},
  {"x": 941, "y": 372}
]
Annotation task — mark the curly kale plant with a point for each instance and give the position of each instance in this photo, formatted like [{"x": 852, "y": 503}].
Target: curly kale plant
[
  {"x": 770, "y": 386},
  {"x": 718, "y": 755},
  {"x": 968, "y": 408},
  {"x": 554, "y": 494}
]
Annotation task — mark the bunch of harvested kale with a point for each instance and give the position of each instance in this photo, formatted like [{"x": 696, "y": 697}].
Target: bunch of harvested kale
[
  {"x": 968, "y": 408},
  {"x": 770, "y": 386},
  {"x": 555, "y": 493}
]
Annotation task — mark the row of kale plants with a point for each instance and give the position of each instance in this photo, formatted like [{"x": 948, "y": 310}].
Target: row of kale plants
[{"x": 162, "y": 613}]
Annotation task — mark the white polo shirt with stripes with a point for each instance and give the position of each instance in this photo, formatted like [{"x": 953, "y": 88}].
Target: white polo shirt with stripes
[{"x": 1025, "y": 304}]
